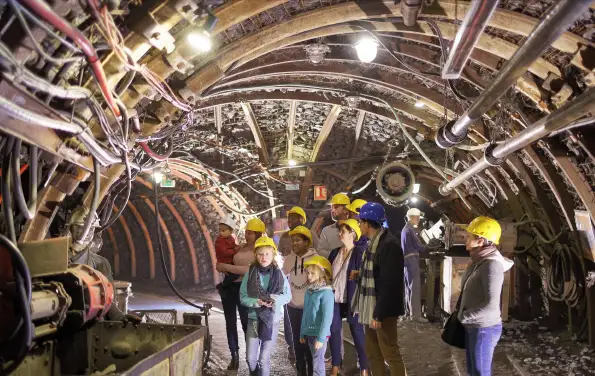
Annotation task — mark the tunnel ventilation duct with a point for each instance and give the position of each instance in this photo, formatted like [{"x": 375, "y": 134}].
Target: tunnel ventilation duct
[
  {"x": 555, "y": 22},
  {"x": 410, "y": 9},
  {"x": 472, "y": 28},
  {"x": 394, "y": 183}
]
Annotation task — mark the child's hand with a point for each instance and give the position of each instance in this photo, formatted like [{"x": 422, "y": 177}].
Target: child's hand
[
  {"x": 318, "y": 345},
  {"x": 302, "y": 341},
  {"x": 262, "y": 303}
]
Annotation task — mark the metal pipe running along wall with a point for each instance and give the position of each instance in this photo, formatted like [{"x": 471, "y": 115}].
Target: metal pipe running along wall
[
  {"x": 552, "y": 25},
  {"x": 571, "y": 111}
]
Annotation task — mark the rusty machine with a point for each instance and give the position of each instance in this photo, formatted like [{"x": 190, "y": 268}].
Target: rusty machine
[{"x": 64, "y": 119}]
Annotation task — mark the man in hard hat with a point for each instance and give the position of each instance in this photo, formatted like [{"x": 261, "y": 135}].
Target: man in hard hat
[
  {"x": 412, "y": 247},
  {"x": 378, "y": 300},
  {"x": 296, "y": 216},
  {"x": 355, "y": 207},
  {"x": 329, "y": 237}
]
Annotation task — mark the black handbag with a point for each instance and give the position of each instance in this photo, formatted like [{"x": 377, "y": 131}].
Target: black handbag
[{"x": 453, "y": 332}]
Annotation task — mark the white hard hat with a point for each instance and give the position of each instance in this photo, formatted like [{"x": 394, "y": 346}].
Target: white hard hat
[
  {"x": 228, "y": 220},
  {"x": 413, "y": 212}
]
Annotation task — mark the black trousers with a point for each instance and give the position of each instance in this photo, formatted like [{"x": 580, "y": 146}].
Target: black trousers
[
  {"x": 230, "y": 298},
  {"x": 303, "y": 356}
]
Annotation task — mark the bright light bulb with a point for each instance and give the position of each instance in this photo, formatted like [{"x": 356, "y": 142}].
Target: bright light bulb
[
  {"x": 200, "y": 40},
  {"x": 416, "y": 188},
  {"x": 419, "y": 104},
  {"x": 414, "y": 199},
  {"x": 292, "y": 162},
  {"x": 366, "y": 49},
  {"x": 158, "y": 176}
]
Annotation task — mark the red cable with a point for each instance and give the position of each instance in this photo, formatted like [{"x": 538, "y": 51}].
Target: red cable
[
  {"x": 151, "y": 153},
  {"x": 44, "y": 11}
]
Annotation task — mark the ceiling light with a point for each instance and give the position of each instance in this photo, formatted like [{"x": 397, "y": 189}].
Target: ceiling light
[
  {"x": 419, "y": 104},
  {"x": 366, "y": 49},
  {"x": 200, "y": 40},
  {"x": 414, "y": 199},
  {"x": 416, "y": 188},
  {"x": 158, "y": 176},
  {"x": 292, "y": 162}
]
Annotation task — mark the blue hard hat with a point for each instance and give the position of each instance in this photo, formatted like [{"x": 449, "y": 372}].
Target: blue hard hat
[{"x": 372, "y": 211}]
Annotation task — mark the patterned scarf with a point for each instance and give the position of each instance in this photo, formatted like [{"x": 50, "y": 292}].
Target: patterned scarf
[
  {"x": 364, "y": 299},
  {"x": 265, "y": 315}
]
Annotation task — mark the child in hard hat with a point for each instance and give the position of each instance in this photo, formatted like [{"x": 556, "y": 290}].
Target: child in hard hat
[
  {"x": 265, "y": 290},
  {"x": 319, "y": 303},
  {"x": 226, "y": 248}
]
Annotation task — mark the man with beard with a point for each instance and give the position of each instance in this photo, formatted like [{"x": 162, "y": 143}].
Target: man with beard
[{"x": 329, "y": 237}]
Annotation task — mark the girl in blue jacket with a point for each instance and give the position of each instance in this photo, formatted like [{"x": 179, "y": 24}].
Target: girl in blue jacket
[
  {"x": 319, "y": 304},
  {"x": 264, "y": 291}
]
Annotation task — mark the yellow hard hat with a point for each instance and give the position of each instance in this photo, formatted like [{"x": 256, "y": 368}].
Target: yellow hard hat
[
  {"x": 352, "y": 224},
  {"x": 356, "y": 205},
  {"x": 486, "y": 227},
  {"x": 322, "y": 262},
  {"x": 301, "y": 230},
  {"x": 299, "y": 211},
  {"x": 256, "y": 225},
  {"x": 340, "y": 199},
  {"x": 265, "y": 241}
]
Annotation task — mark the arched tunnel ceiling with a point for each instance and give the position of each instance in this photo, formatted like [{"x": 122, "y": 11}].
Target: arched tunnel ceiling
[{"x": 259, "y": 101}]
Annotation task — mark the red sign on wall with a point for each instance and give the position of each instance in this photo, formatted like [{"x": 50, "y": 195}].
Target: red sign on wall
[{"x": 320, "y": 193}]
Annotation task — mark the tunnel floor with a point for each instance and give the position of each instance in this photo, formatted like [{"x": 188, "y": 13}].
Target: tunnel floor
[{"x": 525, "y": 348}]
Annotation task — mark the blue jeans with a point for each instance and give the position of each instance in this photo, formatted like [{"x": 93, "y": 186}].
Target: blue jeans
[
  {"x": 480, "y": 345},
  {"x": 258, "y": 353},
  {"x": 412, "y": 287},
  {"x": 318, "y": 366},
  {"x": 230, "y": 299}
]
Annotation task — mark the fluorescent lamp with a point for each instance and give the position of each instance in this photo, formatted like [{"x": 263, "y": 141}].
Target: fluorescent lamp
[
  {"x": 200, "y": 40},
  {"x": 419, "y": 104},
  {"x": 366, "y": 49},
  {"x": 292, "y": 162},
  {"x": 158, "y": 176},
  {"x": 414, "y": 199},
  {"x": 416, "y": 188}
]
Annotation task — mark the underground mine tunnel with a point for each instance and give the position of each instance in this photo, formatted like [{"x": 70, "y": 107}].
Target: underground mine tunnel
[{"x": 194, "y": 187}]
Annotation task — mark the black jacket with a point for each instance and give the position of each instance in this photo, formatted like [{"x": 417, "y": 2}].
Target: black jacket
[{"x": 389, "y": 278}]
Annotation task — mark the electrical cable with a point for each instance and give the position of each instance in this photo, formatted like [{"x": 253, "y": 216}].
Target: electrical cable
[
  {"x": 162, "y": 253},
  {"x": 28, "y": 210},
  {"x": 6, "y": 191},
  {"x": 125, "y": 84},
  {"x": 94, "y": 203},
  {"x": 44, "y": 11},
  {"x": 155, "y": 156},
  {"x": 126, "y": 199}
]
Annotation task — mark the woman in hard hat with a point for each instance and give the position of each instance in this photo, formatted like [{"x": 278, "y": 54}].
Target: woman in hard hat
[
  {"x": 412, "y": 248},
  {"x": 344, "y": 260},
  {"x": 295, "y": 269},
  {"x": 329, "y": 236},
  {"x": 230, "y": 296},
  {"x": 479, "y": 310},
  {"x": 318, "y": 311},
  {"x": 265, "y": 290},
  {"x": 296, "y": 216}
]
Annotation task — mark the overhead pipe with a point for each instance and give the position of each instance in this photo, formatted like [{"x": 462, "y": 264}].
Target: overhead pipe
[
  {"x": 496, "y": 154},
  {"x": 471, "y": 29},
  {"x": 410, "y": 9},
  {"x": 555, "y": 22}
]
